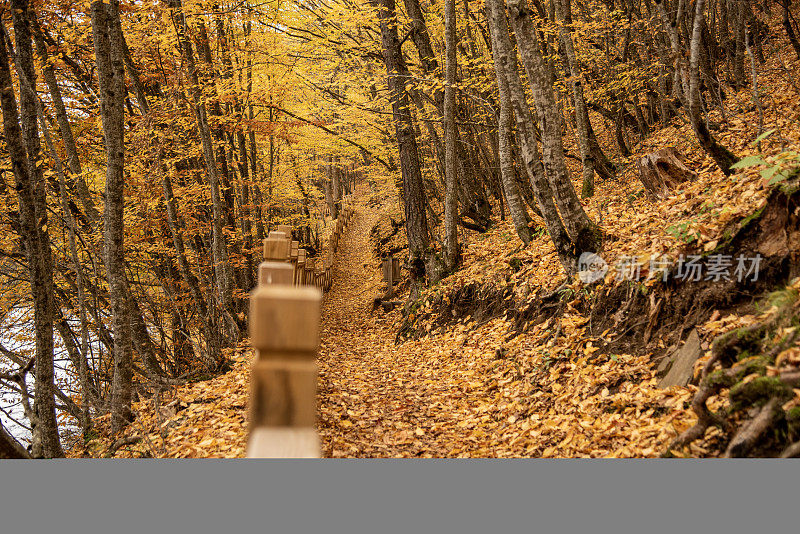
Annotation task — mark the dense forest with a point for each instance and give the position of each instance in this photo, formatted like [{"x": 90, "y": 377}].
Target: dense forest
[{"x": 509, "y": 152}]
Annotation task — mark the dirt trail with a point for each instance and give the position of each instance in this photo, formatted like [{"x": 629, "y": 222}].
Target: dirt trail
[{"x": 379, "y": 399}]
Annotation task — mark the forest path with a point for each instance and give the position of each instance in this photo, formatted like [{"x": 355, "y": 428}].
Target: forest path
[{"x": 375, "y": 398}]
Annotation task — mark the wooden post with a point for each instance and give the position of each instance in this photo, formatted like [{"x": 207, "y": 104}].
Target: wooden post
[
  {"x": 271, "y": 272},
  {"x": 395, "y": 269},
  {"x": 293, "y": 251},
  {"x": 286, "y": 229},
  {"x": 284, "y": 329},
  {"x": 301, "y": 267},
  {"x": 276, "y": 247},
  {"x": 326, "y": 263},
  {"x": 319, "y": 274},
  {"x": 387, "y": 276},
  {"x": 308, "y": 279}
]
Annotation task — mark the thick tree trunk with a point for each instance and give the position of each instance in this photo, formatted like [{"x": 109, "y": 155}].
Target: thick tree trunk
[
  {"x": 506, "y": 69},
  {"x": 662, "y": 171},
  {"x": 580, "y": 228},
  {"x": 106, "y": 32},
  {"x": 422, "y": 260},
  {"x": 23, "y": 148},
  {"x": 519, "y": 215},
  {"x": 10, "y": 447}
]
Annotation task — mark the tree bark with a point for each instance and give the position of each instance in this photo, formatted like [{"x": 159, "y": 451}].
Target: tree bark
[
  {"x": 580, "y": 228},
  {"x": 223, "y": 278},
  {"x": 563, "y": 12},
  {"x": 106, "y": 31},
  {"x": 35, "y": 239},
  {"x": 722, "y": 156},
  {"x": 506, "y": 69},
  {"x": 23, "y": 148},
  {"x": 64, "y": 127},
  {"x": 450, "y": 241},
  {"x": 421, "y": 257}
]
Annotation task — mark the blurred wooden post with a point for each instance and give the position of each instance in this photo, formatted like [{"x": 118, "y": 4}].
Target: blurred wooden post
[
  {"x": 327, "y": 270},
  {"x": 271, "y": 272},
  {"x": 308, "y": 278},
  {"x": 301, "y": 267},
  {"x": 284, "y": 330},
  {"x": 319, "y": 274},
  {"x": 294, "y": 247},
  {"x": 276, "y": 247},
  {"x": 286, "y": 229}
]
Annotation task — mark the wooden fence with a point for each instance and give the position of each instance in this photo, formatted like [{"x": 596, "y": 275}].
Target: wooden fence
[{"x": 284, "y": 331}]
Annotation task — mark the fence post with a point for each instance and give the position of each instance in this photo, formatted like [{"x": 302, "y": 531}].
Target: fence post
[
  {"x": 284, "y": 330},
  {"x": 388, "y": 272},
  {"x": 271, "y": 272},
  {"x": 308, "y": 278},
  {"x": 301, "y": 267},
  {"x": 286, "y": 229},
  {"x": 276, "y": 247}
]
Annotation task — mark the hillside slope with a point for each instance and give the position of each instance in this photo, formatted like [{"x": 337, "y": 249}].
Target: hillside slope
[{"x": 506, "y": 358}]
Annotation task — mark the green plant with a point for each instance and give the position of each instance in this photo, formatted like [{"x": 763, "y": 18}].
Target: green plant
[
  {"x": 777, "y": 169},
  {"x": 682, "y": 232}
]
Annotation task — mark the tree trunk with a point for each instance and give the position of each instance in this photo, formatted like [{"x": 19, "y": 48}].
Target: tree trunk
[
  {"x": 519, "y": 215},
  {"x": 563, "y": 12},
  {"x": 578, "y": 225},
  {"x": 662, "y": 171},
  {"x": 506, "y": 69},
  {"x": 421, "y": 257},
  {"x": 64, "y": 127},
  {"x": 789, "y": 28},
  {"x": 106, "y": 31},
  {"x": 723, "y": 157},
  {"x": 450, "y": 241},
  {"x": 224, "y": 280},
  {"x": 30, "y": 185}
]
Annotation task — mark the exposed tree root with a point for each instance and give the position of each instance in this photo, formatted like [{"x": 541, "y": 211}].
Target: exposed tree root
[
  {"x": 743, "y": 362},
  {"x": 748, "y": 435}
]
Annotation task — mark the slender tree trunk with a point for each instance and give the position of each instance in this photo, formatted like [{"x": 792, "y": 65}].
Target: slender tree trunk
[
  {"x": 64, "y": 127},
  {"x": 78, "y": 356},
  {"x": 723, "y": 157},
  {"x": 224, "y": 280},
  {"x": 563, "y": 12},
  {"x": 450, "y": 241}
]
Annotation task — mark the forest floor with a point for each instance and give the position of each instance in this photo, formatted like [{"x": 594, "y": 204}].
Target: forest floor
[{"x": 478, "y": 373}]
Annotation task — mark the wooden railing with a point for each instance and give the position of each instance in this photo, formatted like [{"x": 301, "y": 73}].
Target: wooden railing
[{"x": 284, "y": 331}]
